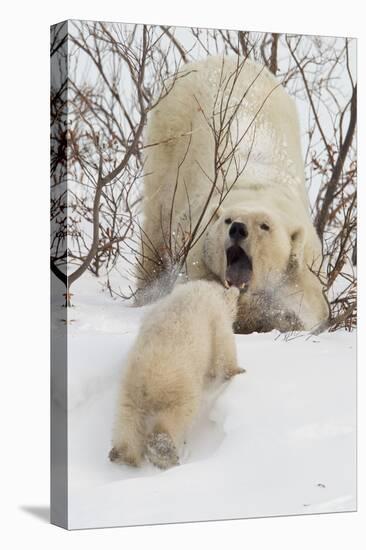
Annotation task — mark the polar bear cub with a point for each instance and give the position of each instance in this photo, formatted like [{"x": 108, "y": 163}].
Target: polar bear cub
[{"x": 185, "y": 339}]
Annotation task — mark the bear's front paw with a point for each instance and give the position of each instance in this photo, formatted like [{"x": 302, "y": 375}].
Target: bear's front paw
[
  {"x": 212, "y": 373},
  {"x": 233, "y": 372},
  {"x": 161, "y": 451}
]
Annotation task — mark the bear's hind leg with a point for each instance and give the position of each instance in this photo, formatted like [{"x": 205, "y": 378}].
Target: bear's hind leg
[
  {"x": 168, "y": 432},
  {"x": 161, "y": 451},
  {"x": 128, "y": 440}
]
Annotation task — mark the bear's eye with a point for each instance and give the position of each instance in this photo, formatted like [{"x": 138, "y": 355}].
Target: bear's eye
[
  {"x": 265, "y": 226},
  {"x": 228, "y": 220}
]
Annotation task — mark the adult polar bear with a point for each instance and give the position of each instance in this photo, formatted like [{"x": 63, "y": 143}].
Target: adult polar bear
[{"x": 227, "y": 125}]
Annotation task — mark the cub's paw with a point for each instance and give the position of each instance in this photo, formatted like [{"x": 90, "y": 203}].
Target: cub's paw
[
  {"x": 161, "y": 451},
  {"x": 123, "y": 455},
  {"x": 211, "y": 374},
  {"x": 233, "y": 372}
]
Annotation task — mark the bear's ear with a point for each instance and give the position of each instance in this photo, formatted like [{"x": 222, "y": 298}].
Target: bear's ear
[{"x": 297, "y": 248}]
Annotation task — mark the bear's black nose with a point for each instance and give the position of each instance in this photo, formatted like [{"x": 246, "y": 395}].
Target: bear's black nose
[{"x": 238, "y": 231}]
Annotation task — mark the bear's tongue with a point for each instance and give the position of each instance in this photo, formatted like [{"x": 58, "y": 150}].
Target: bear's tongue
[{"x": 239, "y": 267}]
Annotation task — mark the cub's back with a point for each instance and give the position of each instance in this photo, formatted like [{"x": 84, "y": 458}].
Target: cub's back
[{"x": 189, "y": 308}]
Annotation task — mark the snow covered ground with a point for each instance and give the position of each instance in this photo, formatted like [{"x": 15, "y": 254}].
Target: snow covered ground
[{"x": 278, "y": 440}]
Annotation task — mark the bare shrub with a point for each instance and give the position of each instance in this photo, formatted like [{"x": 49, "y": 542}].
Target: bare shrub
[{"x": 111, "y": 75}]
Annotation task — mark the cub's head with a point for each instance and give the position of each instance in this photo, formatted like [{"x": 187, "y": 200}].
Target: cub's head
[{"x": 251, "y": 248}]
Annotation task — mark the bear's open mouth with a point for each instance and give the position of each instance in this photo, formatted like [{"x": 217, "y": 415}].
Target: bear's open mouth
[{"x": 239, "y": 267}]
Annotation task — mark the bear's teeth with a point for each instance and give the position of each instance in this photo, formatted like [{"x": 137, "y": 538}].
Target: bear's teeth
[
  {"x": 226, "y": 284},
  {"x": 242, "y": 285}
]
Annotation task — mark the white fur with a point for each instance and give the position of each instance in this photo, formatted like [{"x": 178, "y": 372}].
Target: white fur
[
  {"x": 180, "y": 164},
  {"x": 185, "y": 338}
]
